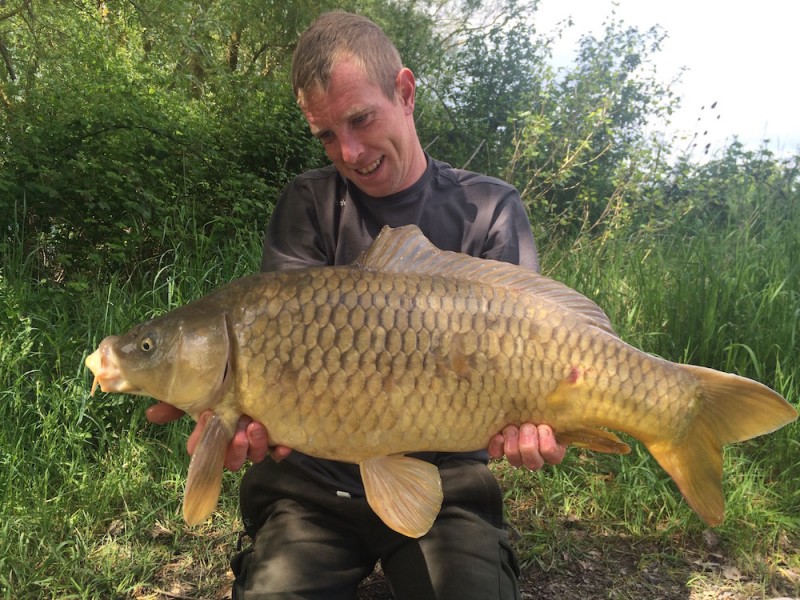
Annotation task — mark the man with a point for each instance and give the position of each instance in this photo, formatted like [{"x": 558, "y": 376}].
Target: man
[{"x": 313, "y": 533}]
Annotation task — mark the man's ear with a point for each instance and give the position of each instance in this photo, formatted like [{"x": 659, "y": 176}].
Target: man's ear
[{"x": 405, "y": 86}]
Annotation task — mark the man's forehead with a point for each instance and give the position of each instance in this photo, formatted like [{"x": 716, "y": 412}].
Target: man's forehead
[
  {"x": 350, "y": 93},
  {"x": 346, "y": 73},
  {"x": 342, "y": 65}
]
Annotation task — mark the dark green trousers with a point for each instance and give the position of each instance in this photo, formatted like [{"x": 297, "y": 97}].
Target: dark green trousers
[{"x": 310, "y": 543}]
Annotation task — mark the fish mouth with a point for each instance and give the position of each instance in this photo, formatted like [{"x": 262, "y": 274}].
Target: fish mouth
[{"x": 104, "y": 365}]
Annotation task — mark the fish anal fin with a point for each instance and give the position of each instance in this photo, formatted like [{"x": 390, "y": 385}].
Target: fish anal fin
[
  {"x": 405, "y": 492},
  {"x": 204, "y": 481},
  {"x": 598, "y": 440},
  {"x": 566, "y": 399}
]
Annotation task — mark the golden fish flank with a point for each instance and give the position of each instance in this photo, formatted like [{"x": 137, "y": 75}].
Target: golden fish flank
[{"x": 412, "y": 349}]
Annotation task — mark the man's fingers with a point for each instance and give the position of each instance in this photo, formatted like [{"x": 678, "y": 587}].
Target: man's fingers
[
  {"x": 161, "y": 413},
  {"x": 238, "y": 446},
  {"x": 529, "y": 447},
  {"x": 511, "y": 445},
  {"x": 552, "y": 452},
  {"x": 250, "y": 440},
  {"x": 197, "y": 433},
  {"x": 278, "y": 453},
  {"x": 496, "y": 444},
  {"x": 258, "y": 442}
]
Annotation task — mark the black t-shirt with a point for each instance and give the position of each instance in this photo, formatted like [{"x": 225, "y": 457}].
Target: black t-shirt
[{"x": 323, "y": 219}]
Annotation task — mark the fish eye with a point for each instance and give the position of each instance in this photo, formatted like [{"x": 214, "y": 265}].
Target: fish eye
[{"x": 147, "y": 344}]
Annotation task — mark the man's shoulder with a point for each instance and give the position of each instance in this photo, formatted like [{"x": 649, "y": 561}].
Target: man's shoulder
[
  {"x": 465, "y": 178},
  {"x": 326, "y": 173}
]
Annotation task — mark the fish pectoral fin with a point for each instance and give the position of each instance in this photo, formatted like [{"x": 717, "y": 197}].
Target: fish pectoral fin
[
  {"x": 595, "y": 439},
  {"x": 405, "y": 492},
  {"x": 204, "y": 481}
]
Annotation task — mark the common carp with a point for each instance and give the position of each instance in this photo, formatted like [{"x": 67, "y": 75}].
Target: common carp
[{"x": 412, "y": 349}]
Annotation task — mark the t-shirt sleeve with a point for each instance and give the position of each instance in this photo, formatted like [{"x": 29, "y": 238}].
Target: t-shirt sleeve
[
  {"x": 509, "y": 238},
  {"x": 293, "y": 237}
]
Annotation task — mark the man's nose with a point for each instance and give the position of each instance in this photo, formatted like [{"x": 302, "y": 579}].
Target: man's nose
[{"x": 350, "y": 148}]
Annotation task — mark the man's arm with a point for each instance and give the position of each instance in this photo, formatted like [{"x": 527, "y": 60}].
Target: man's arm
[{"x": 528, "y": 445}]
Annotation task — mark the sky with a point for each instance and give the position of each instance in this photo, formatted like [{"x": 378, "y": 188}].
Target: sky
[{"x": 741, "y": 55}]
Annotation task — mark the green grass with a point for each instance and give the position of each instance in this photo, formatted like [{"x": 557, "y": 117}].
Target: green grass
[
  {"x": 86, "y": 480},
  {"x": 90, "y": 491}
]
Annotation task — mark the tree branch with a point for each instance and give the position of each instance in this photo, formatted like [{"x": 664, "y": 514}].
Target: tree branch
[
  {"x": 7, "y": 60},
  {"x": 15, "y": 11}
]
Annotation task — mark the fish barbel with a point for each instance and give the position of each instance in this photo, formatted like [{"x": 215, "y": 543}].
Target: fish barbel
[{"x": 414, "y": 349}]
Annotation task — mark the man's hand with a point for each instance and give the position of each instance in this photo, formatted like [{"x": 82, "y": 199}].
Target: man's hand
[
  {"x": 249, "y": 441},
  {"x": 529, "y": 445}
]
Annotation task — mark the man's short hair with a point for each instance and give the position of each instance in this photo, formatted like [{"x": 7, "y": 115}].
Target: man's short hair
[{"x": 338, "y": 35}]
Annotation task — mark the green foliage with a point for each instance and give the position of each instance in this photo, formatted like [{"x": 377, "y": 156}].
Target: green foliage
[
  {"x": 88, "y": 485},
  {"x": 735, "y": 187},
  {"x": 119, "y": 113},
  {"x": 477, "y": 87},
  {"x": 86, "y": 481},
  {"x": 119, "y": 120},
  {"x": 716, "y": 292},
  {"x": 582, "y": 154}
]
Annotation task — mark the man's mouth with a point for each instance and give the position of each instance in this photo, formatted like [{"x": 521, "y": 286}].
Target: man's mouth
[{"x": 370, "y": 168}]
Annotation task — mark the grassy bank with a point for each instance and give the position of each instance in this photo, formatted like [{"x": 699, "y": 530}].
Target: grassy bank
[{"x": 90, "y": 492}]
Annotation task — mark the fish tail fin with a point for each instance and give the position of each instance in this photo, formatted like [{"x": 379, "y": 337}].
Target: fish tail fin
[
  {"x": 732, "y": 409},
  {"x": 204, "y": 482}
]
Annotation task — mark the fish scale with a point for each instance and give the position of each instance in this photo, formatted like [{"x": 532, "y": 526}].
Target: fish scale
[
  {"x": 404, "y": 357},
  {"x": 413, "y": 349}
]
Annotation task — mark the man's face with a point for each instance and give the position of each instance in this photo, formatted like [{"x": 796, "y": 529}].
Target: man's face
[{"x": 370, "y": 139}]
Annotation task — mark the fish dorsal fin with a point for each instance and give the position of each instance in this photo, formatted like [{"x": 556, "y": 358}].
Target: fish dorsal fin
[
  {"x": 407, "y": 250},
  {"x": 405, "y": 492}
]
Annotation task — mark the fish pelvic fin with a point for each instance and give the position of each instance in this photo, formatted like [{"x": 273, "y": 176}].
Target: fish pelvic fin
[
  {"x": 405, "y": 492},
  {"x": 733, "y": 409},
  {"x": 204, "y": 481}
]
